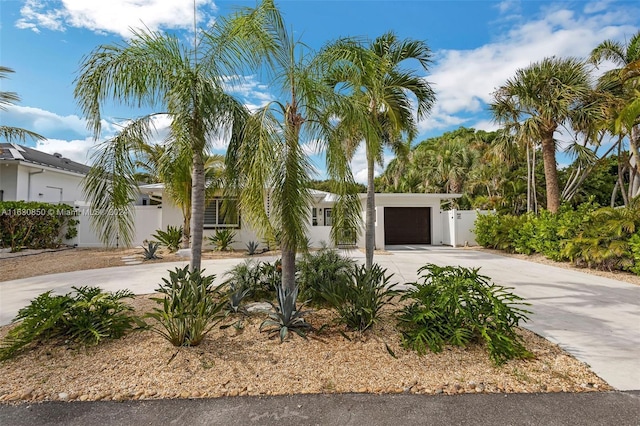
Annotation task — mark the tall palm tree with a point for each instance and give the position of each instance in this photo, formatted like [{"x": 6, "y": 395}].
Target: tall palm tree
[
  {"x": 7, "y": 99},
  {"x": 622, "y": 84},
  {"x": 267, "y": 166},
  {"x": 376, "y": 78},
  {"x": 536, "y": 101},
  {"x": 157, "y": 71}
]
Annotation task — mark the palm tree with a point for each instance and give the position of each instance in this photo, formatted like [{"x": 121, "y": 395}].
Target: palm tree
[
  {"x": 155, "y": 70},
  {"x": 622, "y": 85},
  {"x": 375, "y": 78},
  {"x": 171, "y": 165},
  {"x": 7, "y": 99},
  {"x": 267, "y": 166},
  {"x": 538, "y": 100}
]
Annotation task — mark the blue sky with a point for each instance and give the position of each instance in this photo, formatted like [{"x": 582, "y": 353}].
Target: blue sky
[{"x": 476, "y": 46}]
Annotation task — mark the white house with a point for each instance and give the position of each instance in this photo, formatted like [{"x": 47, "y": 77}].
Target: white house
[
  {"x": 401, "y": 219},
  {"x": 27, "y": 174}
]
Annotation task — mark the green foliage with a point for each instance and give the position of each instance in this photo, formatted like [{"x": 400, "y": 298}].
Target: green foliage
[
  {"x": 259, "y": 278},
  {"x": 359, "y": 299},
  {"x": 634, "y": 245},
  {"x": 151, "y": 250},
  {"x": 170, "y": 238},
  {"x": 87, "y": 317},
  {"x": 456, "y": 305},
  {"x": 604, "y": 240},
  {"x": 287, "y": 317},
  {"x": 222, "y": 239},
  {"x": 252, "y": 247},
  {"x": 319, "y": 269},
  {"x": 190, "y": 308},
  {"x": 35, "y": 225}
]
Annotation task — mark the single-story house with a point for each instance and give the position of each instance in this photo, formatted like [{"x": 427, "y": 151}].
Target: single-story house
[
  {"x": 27, "y": 174},
  {"x": 401, "y": 219}
]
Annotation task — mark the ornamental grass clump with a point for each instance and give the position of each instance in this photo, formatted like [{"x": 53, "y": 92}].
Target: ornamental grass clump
[
  {"x": 87, "y": 316},
  {"x": 458, "y": 306},
  {"x": 190, "y": 308}
]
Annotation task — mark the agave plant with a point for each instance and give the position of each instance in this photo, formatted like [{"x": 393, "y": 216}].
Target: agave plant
[
  {"x": 286, "y": 316},
  {"x": 252, "y": 247},
  {"x": 150, "y": 250}
]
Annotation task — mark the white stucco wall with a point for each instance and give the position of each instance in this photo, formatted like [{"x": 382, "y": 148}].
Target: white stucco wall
[{"x": 34, "y": 183}]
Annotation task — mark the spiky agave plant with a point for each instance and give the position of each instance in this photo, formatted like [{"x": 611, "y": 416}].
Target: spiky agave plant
[{"x": 287, "y": 317}]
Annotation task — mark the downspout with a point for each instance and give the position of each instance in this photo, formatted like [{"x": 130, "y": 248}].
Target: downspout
[{"x": 29, "y": 183}]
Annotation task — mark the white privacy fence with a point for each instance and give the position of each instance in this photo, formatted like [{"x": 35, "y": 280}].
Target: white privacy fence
[
  {"x": 457, "y": 227},
  {"x": 147, "y": 220}
]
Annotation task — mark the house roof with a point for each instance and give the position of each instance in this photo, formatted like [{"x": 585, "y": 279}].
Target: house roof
[{"x": 25, "y": 154}]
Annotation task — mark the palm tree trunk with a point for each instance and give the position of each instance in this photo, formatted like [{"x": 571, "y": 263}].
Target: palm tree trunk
[
  {"x": 288, "y": 268},
  {"x": 370, "y": 237},
  {"x": 550, "y": 172},
  {"x": 186, "y": 226},
  {"x": 634, "y": 160},
  {"x": 197, "y": 204},
  {"x": 528, "y": 179}
]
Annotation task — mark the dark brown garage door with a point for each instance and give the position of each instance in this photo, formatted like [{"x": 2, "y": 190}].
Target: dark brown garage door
[{"x": 407, "y": 225}]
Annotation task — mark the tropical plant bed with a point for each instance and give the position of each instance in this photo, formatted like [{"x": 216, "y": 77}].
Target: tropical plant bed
[{"x": 232, "y": 362}]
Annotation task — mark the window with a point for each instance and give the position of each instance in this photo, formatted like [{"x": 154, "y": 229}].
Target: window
[
  {"x": 221, "y": 213},
  {"x": 314, "y": 216}
]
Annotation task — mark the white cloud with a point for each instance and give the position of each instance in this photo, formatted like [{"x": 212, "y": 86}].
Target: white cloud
[
  {"x": 113, "y": 16},
  {"x": 464, "y": 80},
  {"x": 42, "y": 121},
  {"x": 359, "y": 165},
  {"x": 77, "y": 150}
]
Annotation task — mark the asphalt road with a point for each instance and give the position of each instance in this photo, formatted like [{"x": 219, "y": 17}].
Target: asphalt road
[{"x": 611, "y": 408}]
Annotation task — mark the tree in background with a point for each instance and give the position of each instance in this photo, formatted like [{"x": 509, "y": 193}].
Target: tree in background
[
  {"x": 536, "y": 102},
  {"x": 622, "y": 85}
]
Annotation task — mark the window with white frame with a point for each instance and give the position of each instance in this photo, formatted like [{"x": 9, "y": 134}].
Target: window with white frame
[{"x": 221, "y": 213}]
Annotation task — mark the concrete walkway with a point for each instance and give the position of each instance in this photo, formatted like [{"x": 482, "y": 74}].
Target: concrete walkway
[{"x": 595, "y": 319}]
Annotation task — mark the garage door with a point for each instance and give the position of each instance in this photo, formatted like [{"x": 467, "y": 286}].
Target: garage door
[{"x": 407, "y": 225}]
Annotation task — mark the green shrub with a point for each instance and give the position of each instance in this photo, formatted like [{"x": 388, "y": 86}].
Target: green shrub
[
  {"x": 190, "y": 308},
  {"x": 287, "y": 317},
  {"x": 222, "y": 239},
  {"x": 456, "y": 305},
  {"x": 171, "y": 238},
  {"x": 319, "y": 269},
  {"x": 87, "y": 317},
  {"x": 634, "y": 245},
  {"x": 359, "y": 299},
  {"x": 35, "y": 225},
  {"x": 259, "y": 278},
  {"x": 604, "y": 241}
]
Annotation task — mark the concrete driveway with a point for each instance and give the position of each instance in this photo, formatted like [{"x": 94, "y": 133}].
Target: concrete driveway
[{"x": 595, "y": 319}]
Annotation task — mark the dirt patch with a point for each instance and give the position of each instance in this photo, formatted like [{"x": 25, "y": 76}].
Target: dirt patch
[
  {"x": 35, "y": 263},
  {"x": 234, "y": 362}
]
